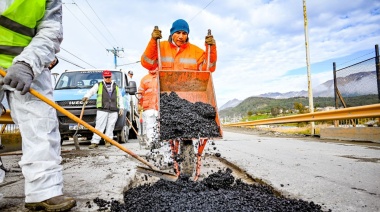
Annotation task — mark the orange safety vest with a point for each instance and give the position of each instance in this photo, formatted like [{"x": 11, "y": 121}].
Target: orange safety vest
[
  {"x": 149, "y": 91},
  {"x": 188, "y": 57}
]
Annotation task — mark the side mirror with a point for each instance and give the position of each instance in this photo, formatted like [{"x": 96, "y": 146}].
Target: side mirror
[{"x": 131, "y": 88}]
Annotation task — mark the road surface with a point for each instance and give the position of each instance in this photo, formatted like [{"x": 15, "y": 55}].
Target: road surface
[{"x": 341, "y": 176}]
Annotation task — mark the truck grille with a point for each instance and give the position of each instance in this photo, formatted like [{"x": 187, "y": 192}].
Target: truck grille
[
  {"x": 71, "y": 105},
  {"x": 75, "y": 103},
  {"x": 67, "y": 120}
]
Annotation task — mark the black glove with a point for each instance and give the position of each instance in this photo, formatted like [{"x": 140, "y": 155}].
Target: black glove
[
  {"x": 156, "y": 34},
  {"x": 19, "y": 76},
  {"x": 209, "y": 40}
]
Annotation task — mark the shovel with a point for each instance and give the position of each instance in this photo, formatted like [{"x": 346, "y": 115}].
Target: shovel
[
  {"x": 154, "y": 171},
  {"x": 75, "y": 136},
  {"x": 138, "y": 136}
]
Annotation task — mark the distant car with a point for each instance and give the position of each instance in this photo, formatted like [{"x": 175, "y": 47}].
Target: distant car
[{"x": 69, "y": 90}]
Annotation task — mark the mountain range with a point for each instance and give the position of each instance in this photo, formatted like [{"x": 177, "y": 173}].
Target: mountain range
[{"x": 361, "y": 83}]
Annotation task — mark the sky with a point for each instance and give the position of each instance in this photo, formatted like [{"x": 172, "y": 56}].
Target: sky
[{"x": 260, "y": 43}]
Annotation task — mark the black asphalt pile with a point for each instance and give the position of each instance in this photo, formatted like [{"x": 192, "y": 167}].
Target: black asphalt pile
[
  {"x": 218, "y": 192},
  {"x": 180, "y": 118}
]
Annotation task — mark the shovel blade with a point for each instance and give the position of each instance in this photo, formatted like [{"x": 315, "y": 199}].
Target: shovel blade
[
  {"x": 76, "y": 142},
  {"x": 157, "y": 173}
]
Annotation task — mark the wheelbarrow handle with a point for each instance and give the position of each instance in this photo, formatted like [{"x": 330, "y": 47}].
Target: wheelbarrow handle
[{"x": 208, "y": 53}]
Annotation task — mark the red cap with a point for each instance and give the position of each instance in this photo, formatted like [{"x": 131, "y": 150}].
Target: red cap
[{"x": 107, "y": 73}]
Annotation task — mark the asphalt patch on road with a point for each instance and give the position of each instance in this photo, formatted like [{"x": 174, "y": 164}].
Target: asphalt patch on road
[{"x": 219, "y": 191}]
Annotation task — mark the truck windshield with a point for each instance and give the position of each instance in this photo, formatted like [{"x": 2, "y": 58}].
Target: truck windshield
[{"x": 84, "y": 79}]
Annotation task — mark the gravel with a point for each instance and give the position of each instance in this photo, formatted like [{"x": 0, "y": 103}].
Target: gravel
[{"x": 220, "y": 191}]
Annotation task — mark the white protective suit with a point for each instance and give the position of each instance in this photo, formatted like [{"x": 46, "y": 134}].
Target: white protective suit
[
  {"x": 150, "y": 125},
  {"x": 40, "y": 162},
  {"x": 104, "y": 119}
]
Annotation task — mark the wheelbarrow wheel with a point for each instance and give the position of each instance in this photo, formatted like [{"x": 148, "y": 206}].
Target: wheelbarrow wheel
[{"x": 187, "y": 157}]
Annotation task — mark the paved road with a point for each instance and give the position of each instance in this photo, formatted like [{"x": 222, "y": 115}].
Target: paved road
[{"x": 339, "y": 176}]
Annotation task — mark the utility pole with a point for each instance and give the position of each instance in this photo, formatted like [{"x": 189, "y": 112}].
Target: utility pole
[
  {"x": 310, "y": 92},
  {"x": 115, "y": 52}
]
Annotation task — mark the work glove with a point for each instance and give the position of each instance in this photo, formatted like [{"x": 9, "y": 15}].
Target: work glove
[
  {"x": 140, "y": 108},
  {"x": 156, "y": 34},
  {"x": 120, "y": 111},
  {"x": 19, "y": 76},
  {"x": 84, "y": 100},
  {"x": 209, "y": 40}
]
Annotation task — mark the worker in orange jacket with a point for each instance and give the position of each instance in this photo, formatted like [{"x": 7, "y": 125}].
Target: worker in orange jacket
[
  {"x": 178, "y": 53},
  {"x": 148, "y": 102}
]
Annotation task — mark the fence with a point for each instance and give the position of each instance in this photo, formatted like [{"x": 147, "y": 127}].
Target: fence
[{"x": 358, "y": 84}]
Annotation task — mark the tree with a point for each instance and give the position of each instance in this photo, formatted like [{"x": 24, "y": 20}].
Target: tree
[
  {"x": 299, "y": 106},
  {"x": 250, "y": 113},
  {"x": 274, "y": 111}
]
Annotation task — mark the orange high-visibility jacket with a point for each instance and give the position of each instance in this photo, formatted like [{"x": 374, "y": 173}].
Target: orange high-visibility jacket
[
  {"x": 188, "y": 57},
  {"x": 149, "y": 91}
]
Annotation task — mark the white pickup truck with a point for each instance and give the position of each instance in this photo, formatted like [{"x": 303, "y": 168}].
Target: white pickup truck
[{"x": 69, "y": 90}]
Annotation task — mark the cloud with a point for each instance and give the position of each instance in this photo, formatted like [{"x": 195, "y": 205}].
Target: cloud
[{"x": 259, "y": 42}]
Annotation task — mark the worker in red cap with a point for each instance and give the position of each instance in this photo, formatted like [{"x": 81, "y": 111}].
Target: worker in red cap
[{"x": 109, "y": 104}]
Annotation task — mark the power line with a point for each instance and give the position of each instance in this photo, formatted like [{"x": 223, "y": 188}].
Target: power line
[
  {"x": 85, "y": 27},
  {"x": 69, "y": 62},
  {"x": 356, "y": 58},
  {"x": 128, "y": 64},
  {"x": 201, "y": 10},
  {"x": 92, "y": 23},
  {"x": 77, "y": 57},
  {"x": 103, "y": 23}
]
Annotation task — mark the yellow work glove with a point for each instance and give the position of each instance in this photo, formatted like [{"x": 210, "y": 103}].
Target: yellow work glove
[
  {"x": 140, "y": 108},
  {"x": 156, "y": 34},
  {"x": 120, "y": 111},
  {"x": 209, "y": 40},
  {"x": 84, "y": 100}
]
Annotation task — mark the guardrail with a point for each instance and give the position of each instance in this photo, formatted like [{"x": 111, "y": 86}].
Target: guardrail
[{"x": 367, "y": 111}]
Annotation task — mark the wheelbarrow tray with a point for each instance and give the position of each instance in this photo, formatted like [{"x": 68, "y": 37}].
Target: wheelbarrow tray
[{"x": 194, "y": 86}]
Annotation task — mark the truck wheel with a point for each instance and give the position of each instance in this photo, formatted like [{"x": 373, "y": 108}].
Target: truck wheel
[
  {"x": 122, "y": 135},
  {"x": 187, "y": 157}
]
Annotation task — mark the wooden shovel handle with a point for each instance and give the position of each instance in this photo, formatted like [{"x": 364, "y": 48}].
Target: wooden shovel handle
[{"x": 85, "y": 124}]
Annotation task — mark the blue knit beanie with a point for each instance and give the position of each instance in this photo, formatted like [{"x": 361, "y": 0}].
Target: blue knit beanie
[{"x": 179, "y": 25}]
